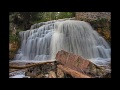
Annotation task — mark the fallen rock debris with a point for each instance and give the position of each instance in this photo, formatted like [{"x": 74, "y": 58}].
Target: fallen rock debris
[{"x": 67, "y": 65}]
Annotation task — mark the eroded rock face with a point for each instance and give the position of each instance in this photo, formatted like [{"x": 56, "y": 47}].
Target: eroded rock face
[
  {"x": 80, "y": 64},
  {"x": 93, "y": 15},
  {"x": 13, "y": 47},
  {"x": 72, "y": 61}
]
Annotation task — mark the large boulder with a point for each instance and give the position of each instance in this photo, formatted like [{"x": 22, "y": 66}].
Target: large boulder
[{"x": 80, "y": 64}]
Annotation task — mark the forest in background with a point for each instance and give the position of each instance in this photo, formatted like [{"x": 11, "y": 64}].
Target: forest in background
[{"x": 22, "y": 21}]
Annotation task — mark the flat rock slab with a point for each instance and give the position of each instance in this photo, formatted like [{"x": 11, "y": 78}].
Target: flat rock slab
[
  {"x": 25, "y": 64},
  {"x": 80, "y": 64},
  {"x": 12, "y": 70},
  {"x": 72, "y": 61},
  {"x": 72, "y": 72}
]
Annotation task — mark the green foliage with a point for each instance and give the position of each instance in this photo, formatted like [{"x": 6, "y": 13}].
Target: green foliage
[
  {"x": 100, "y": 23},
  {"x": 13, "y": 38},
  {"x": 56, "y": 15},
  {"x": 25, "y": 19},
  {"x": 65, "y": 15}
]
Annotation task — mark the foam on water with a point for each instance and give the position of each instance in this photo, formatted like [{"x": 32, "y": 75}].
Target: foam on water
[
  {"x": 45, "y": 39},
  {"x": 78, "y": 37}
]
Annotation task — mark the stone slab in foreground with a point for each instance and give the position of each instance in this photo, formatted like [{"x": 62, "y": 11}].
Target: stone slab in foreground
[
  {"x": 80, "y": 64},
  {"x": 72, "y": 72},
  {"x": 26, "y": 64}
]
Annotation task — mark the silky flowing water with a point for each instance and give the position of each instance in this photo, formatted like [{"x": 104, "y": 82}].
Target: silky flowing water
[{"x": 45, "y": 39}]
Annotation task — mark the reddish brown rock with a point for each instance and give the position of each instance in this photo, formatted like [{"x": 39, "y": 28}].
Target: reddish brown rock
[
  {"x": 79, "y": 64},
  {"x": 72, "y": 61},
  {"x": 72, "y": 72}
]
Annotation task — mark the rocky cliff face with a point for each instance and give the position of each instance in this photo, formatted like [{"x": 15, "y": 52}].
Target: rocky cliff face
[
  {"x": 93, "y": 15},
  {"x": 13, "y": 47}
]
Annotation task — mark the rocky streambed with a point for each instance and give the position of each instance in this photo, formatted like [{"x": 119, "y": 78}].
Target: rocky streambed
[
  {"x": 73, "y": 66},
  {"x": 45, "y": 70}
]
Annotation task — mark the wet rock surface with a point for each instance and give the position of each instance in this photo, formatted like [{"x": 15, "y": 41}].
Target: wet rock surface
[
  {"x": 48, "y": 70},
  {"x": 67, "y": 65},
  {"x": 81, "y": 64}
]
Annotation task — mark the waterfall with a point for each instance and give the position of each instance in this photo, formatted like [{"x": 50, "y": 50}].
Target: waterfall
[
  {"x": 78, "y": 37},
  {"x": 45, "y": 39}
]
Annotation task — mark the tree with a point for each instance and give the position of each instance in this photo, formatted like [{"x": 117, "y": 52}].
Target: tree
[
  {"x": 24, "y": 19},
  {"x": 65, "y": 15}
]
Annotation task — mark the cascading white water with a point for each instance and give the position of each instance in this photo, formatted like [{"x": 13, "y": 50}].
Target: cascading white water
[
  {"x": 35, "y": 43},
  {"x": 79, "y": 38},
  {"x": 45, "y": 39}
]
